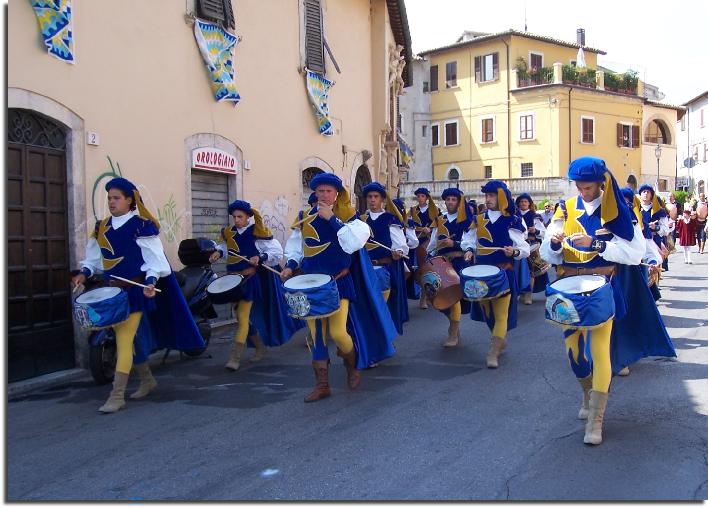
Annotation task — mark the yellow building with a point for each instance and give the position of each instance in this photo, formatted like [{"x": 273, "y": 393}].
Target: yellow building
[{"x": 514, "y": 105}]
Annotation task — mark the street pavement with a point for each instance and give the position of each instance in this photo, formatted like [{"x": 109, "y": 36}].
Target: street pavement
[{"x": 428, "y": 424}]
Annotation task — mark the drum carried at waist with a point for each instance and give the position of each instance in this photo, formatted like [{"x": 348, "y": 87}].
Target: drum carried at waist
[
  {"x": 101, "y": 308},
  {"x": 580, "y": 301},
  {"x": 483, "y": 282},
  {"x": 225, "y": 289},
  {"x": 537, "y": 264},
  {"x": 440, "y": 282},
  {"x": 384, "y": 278},
  {"x": 311, "y": 296}
]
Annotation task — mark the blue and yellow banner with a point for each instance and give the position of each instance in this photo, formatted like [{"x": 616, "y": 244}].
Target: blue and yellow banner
[
  {"x": 318, "y": 91},
  {"x": 406, "y": 151},
  {"x": 216, "y": 46},
  {"x": 54, "y": 18}
]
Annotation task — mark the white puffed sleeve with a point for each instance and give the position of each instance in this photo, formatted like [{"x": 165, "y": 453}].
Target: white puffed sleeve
[
  {"x": 93, "y": 260},
  {"x": 520, "y": 243},
  {"x": 662, "y": 227},
  {"x": 469, "y": 240},
  {"x": 271, "y": 247},
  {"x": 625, "y": 252},
  {"x": 156, "y": 264},
  {"x": 411, "y": 239},
  {"x": 433, "y": 244},
  {"x": 548, "y": 253},
  {"x": 398, "y": 239},
  {"x": 293, "y": 247},
  {"x": 652, "y": 255},
  {"x": 352, "y": 235},
  {"x": 540, "y": 228}
]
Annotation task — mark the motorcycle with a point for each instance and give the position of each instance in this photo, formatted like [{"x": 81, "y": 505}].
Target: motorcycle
[{"x": 193, "y": 280}]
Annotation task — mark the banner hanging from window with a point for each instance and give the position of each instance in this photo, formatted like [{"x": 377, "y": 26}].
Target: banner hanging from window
[
  {"x": 216, "y": 46},
  {"x": 54, "y": 17},
  {"x": 318, "y": 91},
  {"x": 406, "y": 151}
]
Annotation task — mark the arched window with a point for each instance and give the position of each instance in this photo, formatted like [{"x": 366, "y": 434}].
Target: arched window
[
  {"x": 307, "y": 175},
  {"x": 363, "y": 177},
  {"x": 453, "y": 174},
  {"x": 657, "y": 132}
]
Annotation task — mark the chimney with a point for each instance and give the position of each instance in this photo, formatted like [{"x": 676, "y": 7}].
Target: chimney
[{"x": 580, "y": 33}]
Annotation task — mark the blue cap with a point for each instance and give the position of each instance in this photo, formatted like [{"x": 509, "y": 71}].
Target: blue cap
[
  {"x": 122, "y": 184},
  {"x": 244, "y": 206},
  {"x": 646, "y": 187},
  {"x": 312, "y": 199},
  {"x": 452, "y": 191},
  {"x": 628, "y": 195},
  {"x": 587, "y": 169},
  {"x": 422, "y": 190},
  {"x": 374, "y": 187},
  {"x": 326, "y": 179},
  {"x": 504, "y": 201},
  {"x": 400, "y": 205},
  {"x": 523, "y": 195}
]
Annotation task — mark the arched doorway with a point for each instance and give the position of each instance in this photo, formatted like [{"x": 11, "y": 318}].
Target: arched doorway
[
  {"x": 657, "y": 132},
  {"x": 307, "y": 175},
  {"x": 40, "y": 328},
  {"x": 632, "y": 182},
  {"x": 363, "y": 178}
]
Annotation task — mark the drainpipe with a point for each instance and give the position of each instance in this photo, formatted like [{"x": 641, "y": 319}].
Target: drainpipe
[
  {"x": 570, "y": 129},
  {"x": 508, "y": 111}
]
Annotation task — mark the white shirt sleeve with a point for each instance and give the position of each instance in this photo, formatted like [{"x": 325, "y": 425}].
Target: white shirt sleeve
[
  {"x": 93, "y": 257},
  {"x": 156, "y": 264},
  {"x": 411, "y": 239},
  {"x": 293, "y": 247},
  {"x": 469, "y": 240},
  {"x": 432, "y": 245},
  {"x": 398, "y": 239},
  {"x": 662, "y": 227},
  {"x": 540, "y": 228},
  {"x": 271, "y": 247},
  {"x": 520, "y": 243},
  {"x": 221, "y": 247},
  {"x": 353, "y": 235},
  {"x": 554, "y": 257},
  {"x": 652, "y": 255},
  {"x": 625, "y": 252}
]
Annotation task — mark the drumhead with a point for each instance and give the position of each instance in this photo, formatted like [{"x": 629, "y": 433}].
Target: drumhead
[
  {"x": 225, "y": 283},
  {"x": 480, "y": 271},
  {"x": 311, "y": 280},
  {"x": 98, "y": 294},
  {"x": 579, "y": 284}
]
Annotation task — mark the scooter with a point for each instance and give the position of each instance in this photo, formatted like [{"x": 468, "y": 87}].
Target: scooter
[{"x": 193, "y": 279}]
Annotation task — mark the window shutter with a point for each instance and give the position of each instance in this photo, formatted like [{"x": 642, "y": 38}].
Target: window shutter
[
  {"x": 229, "y": 19},
  {"x": 433, "y": 78},
  {"x": 635, "y": 136},
  {"x": 477, "y": 69},
  {"x": 212, "y": 10},
  {"x": 314, "y": 46},
  {"x": 495, "y": 65},
  {"x": 620, "y": 142}
]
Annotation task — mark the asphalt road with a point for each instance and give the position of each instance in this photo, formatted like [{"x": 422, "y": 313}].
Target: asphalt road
[{"x": 428, "y": 424}]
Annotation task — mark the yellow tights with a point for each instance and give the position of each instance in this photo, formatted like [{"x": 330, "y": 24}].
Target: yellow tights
[
  {"x": 243, "y": 315},
  {"x": 125, "y": 335},
  {"x": 455, "y": 312},
  {"x": 386, "y": 294},
  {"x": 500, "y": 308},
  {"x": 600, "y": 365},
  {"x": 335, "y": 326}
]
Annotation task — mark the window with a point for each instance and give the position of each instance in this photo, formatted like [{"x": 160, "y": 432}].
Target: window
[
  {"x": 314, "y": 37},
  {"x": 450, "y": 74},
  {"x": 488, "y": 130},
  {"x": 426, "y": 87},
  {"x": 435, "y": 134},
  {"x": 526, "y": 169},
  {"x": 487, "y": 172},
  {"x": 219, "y": 11},
  {"x": 657, "y": 133},
  {"x": 451, "y": 133},
  {"x": 433, "y": 78},
  {"x": 705, "y": 152},
  {"x": 486, "y": 68},
  {"x": 627, "y": 135},
  {"x": 683, "y": 122},
  {"x": 662, "y": 185},
  {"x": 453, "y": 174},
  {"x": 573, "y": 63},
  {"x": 526, "y": 127},
  {"x": 424, "y": 131},
  {"x": 587, "y": 130},
  {"x": 535, "y": 60}
]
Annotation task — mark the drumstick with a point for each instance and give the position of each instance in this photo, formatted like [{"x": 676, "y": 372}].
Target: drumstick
[
  {"x": 387, "y": 248},
  {"x": 135, "y": 283},
  {"x": 264, "y": 266},
  {"x": 490, "y": 248}
]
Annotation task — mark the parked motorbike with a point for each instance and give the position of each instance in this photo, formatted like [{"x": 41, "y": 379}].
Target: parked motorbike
[{"x": 193, "y": 279}]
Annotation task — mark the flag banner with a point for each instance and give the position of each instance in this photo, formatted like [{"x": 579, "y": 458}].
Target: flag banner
[
  {"x": 406, "y": 151},
  {"x": 318, "y": 91},
  {"x": 216, "y": 46},
  {"x": 54, "y": 18}
]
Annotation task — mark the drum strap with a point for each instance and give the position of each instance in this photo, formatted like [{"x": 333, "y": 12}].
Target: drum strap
[
  {"x": 382, "y": 261},
  {"x": 341, "y": 274},
  {"x": 566, "y": 271}
]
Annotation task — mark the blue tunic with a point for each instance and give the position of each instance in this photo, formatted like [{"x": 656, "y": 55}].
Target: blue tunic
[
  {"x": 243, "y": 244},
  {"x": 648, "y": 217},
  {"x": 522, "y": 267}
]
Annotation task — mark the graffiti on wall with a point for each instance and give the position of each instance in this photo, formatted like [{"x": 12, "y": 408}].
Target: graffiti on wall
[
  {"x": 170, "y": 220},
  {"x": 275, "y": 216},
  {"x": 98, "y": 194}
]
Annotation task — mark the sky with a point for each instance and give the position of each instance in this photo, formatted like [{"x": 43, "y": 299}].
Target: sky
[{"x": 668, "y": 46}]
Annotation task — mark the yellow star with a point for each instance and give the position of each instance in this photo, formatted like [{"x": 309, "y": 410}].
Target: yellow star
[
  {"x": 310, "y": 233},
  {"x": 231, "y": 246},
  {"x": 483, "y": 232},
  {"x": 104, "y": 244}
]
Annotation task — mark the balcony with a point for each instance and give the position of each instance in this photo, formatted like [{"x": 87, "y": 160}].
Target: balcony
[{"x": 626, "y": 84}]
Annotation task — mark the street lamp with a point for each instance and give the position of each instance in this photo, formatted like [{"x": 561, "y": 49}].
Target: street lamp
[{"x": 657, "y": 152}]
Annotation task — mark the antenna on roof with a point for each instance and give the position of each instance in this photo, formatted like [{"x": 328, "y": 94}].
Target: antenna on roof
[{"x": 526, "y": 28}]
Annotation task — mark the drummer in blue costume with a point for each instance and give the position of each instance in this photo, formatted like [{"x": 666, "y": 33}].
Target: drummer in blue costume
[
  {"x": 387, "y": 229},
  {"x": 250, "y": 238},
  {"x": 497, "y": 238},
  {"x": 592, "y": 234},
  {"x": 412, "y": 288},
  {"x": 329, "y": 242},
  {"x": 127, "y": 245},
  {"x": 655, "y": 216},
  {"x": 424, "y": 216},
  {"x": 445, "y": 240},
  {"x": 533, "y": 221}
]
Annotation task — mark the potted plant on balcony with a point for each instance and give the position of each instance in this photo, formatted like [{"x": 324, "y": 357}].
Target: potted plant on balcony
[
  {"x": 630, "y": 81},
  {"x": 570, "y": 74},
  {"x": 522, "y": 72},
  {"x": 612, "y": 81}
]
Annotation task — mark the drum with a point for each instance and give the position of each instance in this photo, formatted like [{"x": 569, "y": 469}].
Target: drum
[
  {"x": 580, "y": 301},
  {"x": 537, "y": 264},
  {"x": 225, "y": 289},
  {"x": 101, "y": 307},
  {"x": 483, "y": 282},
  {"x": 384, "y": 278},
  {"x": 440, "y": 282},
  {"x": 311, "y": 296}
]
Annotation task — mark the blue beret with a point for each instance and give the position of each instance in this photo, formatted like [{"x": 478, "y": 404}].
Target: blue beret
[
  {"x": 244, "y": 206},
  {"x": 400, "y": 205},
  {"x": 374, "y": 187},
  {"x": 492, "y": 186},
  {"x": 422, "y": 190},
  {"x": 121, "y": 184},
  {"x": 628, "y": 194},
  {"x": 312, "y": 199},
  {"x": 326, "y": 179},
  {"x": 587, "y": 169},
  {"x": 523, "y": 195},
  {"x": 452, "y": 191},
  {"x": 646, "y": 187}
]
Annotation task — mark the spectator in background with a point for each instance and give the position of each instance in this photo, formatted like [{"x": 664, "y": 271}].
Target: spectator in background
[
  {"x": 686, "y": 228},
  {"x": 547, "y": 213}
]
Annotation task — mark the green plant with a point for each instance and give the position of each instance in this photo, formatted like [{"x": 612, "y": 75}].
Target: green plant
[
  {"x": 630, "y": 80},
  {"x": 680, "y": 197},
  {"x": 570, "y": 74},
  {"x": 546, "y": 74},
  {"x": 612, "y": 81},
  {"x": 586, "y": 77}
]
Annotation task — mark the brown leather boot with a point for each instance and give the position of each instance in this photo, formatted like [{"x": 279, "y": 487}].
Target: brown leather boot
[
  {"x": 261, "y": 348},
  {"x": 593, "y": 428},
  {"x": 495, "y": 349},
  {"x": 321, "y": 391},
  {"x": 453, "y": 334},
  {"x": 147, "y": 382},
  {"x": 423, "y": 303},
  {"x": 116, "y": 400},
  {"x": 586, "y": 385},
  {"x": 353, "y": 374},
  {"x": 526, "y": 298},
  {"x": 235, "y": 359}
]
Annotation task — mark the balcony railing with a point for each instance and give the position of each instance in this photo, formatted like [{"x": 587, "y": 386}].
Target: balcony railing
[{"x": 626, "y": 83}]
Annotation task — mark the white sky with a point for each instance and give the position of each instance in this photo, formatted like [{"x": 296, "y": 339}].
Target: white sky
[{"x": 666, "y": 43}]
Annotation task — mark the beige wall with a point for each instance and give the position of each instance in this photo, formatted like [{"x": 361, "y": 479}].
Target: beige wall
[
  {"x": 667, "y": 161},
  {"x": 140, "y": 83}
]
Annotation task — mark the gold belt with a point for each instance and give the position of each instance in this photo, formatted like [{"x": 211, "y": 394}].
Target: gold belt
[{"x": 567, "y": 271}]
